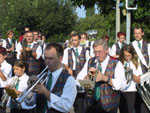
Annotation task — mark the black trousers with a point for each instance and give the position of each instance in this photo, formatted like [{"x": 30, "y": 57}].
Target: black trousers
[
  {"x": 79, "y": 105},
  {"x": 97, "y": 108},
  {"x": 22, "y": 111},
  {"x": 127, "y": 102},
  {"x": 140, "y": 106}
]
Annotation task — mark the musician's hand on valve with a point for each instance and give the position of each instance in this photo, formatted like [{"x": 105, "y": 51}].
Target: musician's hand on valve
[
  {"x": 41, "y": 89},
  {"x": 86, "y": 77},
  {"x": 92, "y": 72},
  {"x": 16, "y": 91},
  {"x": 100, "y": 77}
]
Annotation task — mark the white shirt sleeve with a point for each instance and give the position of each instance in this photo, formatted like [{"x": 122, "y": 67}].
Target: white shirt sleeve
[
  {"x": 149, "y": 54},
  {"x": 18, "y": 48},
  {"x": 38, "y": 52},
  {"x": 4, "y": 43},
  {"x": 65, "y": 57},
  {"x": 87, "y": 55},
  {"x": 83, "y": 72},
  {"x": 113, "y": 50},
  {"x": 119, "y": 81},
  {"x": 65, "y": 102},
  {"x": 91, "y": 49}
]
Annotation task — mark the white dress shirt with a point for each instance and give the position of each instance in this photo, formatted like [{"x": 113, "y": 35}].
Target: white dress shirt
[
  {"x": 5, "y": 43},
  {"x": 114, "y": 49},
  {"x": 119, "y": 81},
  {"x": 22, "y": 86},
  {"x": 64, "y": 102},
  {"x": 38, "y": 50},
  {"x": 91, "y": 49},
  {"x": 131, "y": 86},
  {"x": 65, "y": 56},
  {"x": 6, "y": 69},
  {"x": 139, "y": 53}
]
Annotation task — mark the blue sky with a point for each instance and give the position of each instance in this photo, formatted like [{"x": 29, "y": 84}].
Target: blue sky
[{"x": 81, "y": 12}]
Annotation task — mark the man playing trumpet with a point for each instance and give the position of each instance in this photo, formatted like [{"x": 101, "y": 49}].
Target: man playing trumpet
[{"x": 109, "y": 79}]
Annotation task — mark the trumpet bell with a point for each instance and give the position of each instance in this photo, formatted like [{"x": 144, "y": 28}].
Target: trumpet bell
[{"x": 11, "y": 93}]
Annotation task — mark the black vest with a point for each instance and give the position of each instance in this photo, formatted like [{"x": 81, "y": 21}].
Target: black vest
[{"x": 57, "y": 90}]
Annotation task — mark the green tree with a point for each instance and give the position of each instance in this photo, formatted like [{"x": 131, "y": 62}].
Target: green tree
[
  {"x": 51, "y": 17},
  {"x": 90, "y": 12},
  {"x": 140, "y": 17}
]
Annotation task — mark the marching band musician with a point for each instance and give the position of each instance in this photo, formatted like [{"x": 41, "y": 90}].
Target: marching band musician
[
  {"x": 129, "y": 59},
  {"x": 5, "y": 68},
  {"x": 5, "y": 71},
  {"x": 84, "y": 42},
  {"x": 33, "y": 51},
  {"x": 110, "y": 78},
  {"x": 115, "y": 50},
  {"x": 10, "y": 45},
  {"x": 142, "y": 49},
  {"x": 74, "y": 60},
  {"x": 20, "y": 85},
  {"x": 59, "y": 92}
]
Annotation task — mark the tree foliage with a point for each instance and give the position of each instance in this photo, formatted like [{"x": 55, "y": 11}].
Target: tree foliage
[
  {"x": 51, "y": 17},
  {"x": 140, "y": 17}
]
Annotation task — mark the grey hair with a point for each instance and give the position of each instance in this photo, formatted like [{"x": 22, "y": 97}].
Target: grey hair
[{"x": 101, "y": 42}]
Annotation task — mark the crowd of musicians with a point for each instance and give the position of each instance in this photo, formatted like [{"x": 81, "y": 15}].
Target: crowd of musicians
[{"x": 118, "y": 74}]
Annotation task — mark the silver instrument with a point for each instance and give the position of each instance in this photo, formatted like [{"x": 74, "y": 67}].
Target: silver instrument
[
  {"x": 144, "y": 89},
  {"x": 27, "y": 95},
  {"x": 144, "y": 92},
  {"x": 5, "y": 98},
  {"x": 128, "y": 73}
]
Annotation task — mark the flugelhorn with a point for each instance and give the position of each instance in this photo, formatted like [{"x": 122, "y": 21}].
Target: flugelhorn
[
  {"x": 28, "y": 93},
  {"x": 90, "y": 87},
  {"x": 5, "y": 97}
]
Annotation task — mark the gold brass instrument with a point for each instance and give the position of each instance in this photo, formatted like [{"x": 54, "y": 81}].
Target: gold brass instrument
[
  {"x": 92, "y": 80},
  {"x": 5, "y": 98},
  {"x": 27, "y": 95},
  {"x": 128, "y": 73}
]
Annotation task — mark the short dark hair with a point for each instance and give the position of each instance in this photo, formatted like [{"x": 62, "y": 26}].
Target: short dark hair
[
  {"x": 77, "y": 34},
  {"x": 3, "y": 51},
  {"x": 139, "y": 27},
  {"x": 85, "y": 34},
  {"x": 58, "y": 47}
]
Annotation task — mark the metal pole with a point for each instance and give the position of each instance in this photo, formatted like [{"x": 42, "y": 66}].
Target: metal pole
[
  {"x": 128, "y": 26},
  {"x": 117, "y": 17}
]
